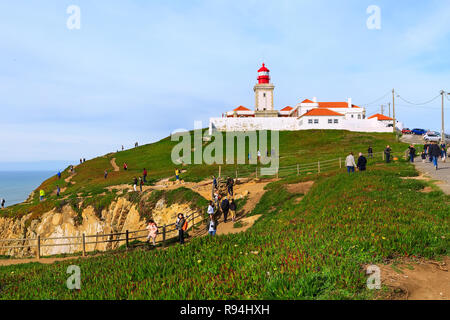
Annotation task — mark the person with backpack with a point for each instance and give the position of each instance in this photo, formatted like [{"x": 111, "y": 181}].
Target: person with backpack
[
  {"x": 2, "y": 202},
  {"x": 152, "y": 232},
  {"x": 211, "y": 225},
  {"x": 387, "y": 153},
  {"x": 135, "y": 182},
  {"x": 233, "y": 210},
  {"x": 435, "y": 153},
  {"x": 362, "y": 162},
  {"x": 181, "y": 226},
  {"x": 230, "y": 183},
  {"x": 225, "y": 206},
  {"x": 144, "y": 175},
  {"x": 41, "y": 195},
  {"x": 412, "y": 153},
  {"x": 350, "y": 163},
  {"x": 59, "y": 175}
]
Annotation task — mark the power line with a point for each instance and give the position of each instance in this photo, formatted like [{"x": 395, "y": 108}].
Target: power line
[
  {"x": 418, "y": 104},
  {"x": 375, "y": 101}
]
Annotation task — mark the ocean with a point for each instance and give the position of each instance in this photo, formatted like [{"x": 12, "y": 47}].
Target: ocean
[{"x": 16, "y": 186}]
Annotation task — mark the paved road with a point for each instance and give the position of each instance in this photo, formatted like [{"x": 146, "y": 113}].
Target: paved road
[{"x": 443, "y": 174}]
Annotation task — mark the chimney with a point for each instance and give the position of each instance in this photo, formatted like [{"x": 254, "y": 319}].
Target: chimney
[
  {"x": 349, "y": 102},
  {"x": 314, "y": 99}
]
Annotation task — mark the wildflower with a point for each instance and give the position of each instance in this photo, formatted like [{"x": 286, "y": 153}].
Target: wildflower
[
  {"x": 199, "y": 261},
  {"x": 383, "y": 238}
]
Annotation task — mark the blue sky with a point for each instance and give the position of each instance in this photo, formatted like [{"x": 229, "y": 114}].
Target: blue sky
[{"x": 137, "y": 70}]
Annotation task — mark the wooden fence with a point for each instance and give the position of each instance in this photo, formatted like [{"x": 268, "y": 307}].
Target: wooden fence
[{"x": 83, "y": 240}]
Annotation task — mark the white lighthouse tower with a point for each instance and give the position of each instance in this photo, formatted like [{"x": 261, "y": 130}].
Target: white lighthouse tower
[{"x": 264, "y": 94}]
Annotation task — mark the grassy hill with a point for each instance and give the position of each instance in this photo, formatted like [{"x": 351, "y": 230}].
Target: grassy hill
[
  {"x": 88, "y": 183},
  {"x": 315, "y": 249}
]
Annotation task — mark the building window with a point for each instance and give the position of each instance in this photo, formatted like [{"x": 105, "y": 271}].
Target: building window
[
  {"x": 359, "y": 116},
  {"x": 316, "y": 121},
  {"x": 336, "y": 120},
  {"x": 310, "y": 121},
  {"x": 264, "y": 95},
  {"x": 330, "y": 120},
  {"x": 352, "y": 116}
]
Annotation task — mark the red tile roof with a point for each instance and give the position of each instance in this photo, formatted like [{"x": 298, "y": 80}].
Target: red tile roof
[
  {"x": 288, "y": 108},
  {"x": 322, "y": 112},
  {"x": 335, "y": 105},
  {"x": 241, "y": 108},
  {"x": 307, "y": 101},
  {"x": 380, "y": 117}
]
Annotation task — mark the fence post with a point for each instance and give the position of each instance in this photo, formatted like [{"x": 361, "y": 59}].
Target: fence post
[
  {"x": 318, "y": 166},
  {"x": 38, "y": 247},
  {"x": 164, "y": 232},
  {"x": 340, "y": 163},
  {"x": 298, "y": 169},
  {"x": 127, "y": 237},
  {"x": 84, "y": 245},
  {"x": 236, "y": 174},
  {"x": 220, "y": 169}
]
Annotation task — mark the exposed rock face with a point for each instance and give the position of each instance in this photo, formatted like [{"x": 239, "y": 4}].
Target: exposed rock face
[{"x": 121, "y": 215}]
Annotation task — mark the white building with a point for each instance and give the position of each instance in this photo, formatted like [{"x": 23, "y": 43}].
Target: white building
[{"x": 308, "y": 114}]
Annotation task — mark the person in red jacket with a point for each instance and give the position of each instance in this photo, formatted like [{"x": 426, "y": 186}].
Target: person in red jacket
[
  {"x": 125, "y": 166},
  {"x": 144, "y": 175}
]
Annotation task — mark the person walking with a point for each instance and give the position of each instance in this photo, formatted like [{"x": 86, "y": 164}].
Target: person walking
[
  {"x": 152, "y": 232},
  {"x": 370, "y": 152},
  {"x": 181, "y": 226},
  {"x": 350, "y": 163},
  {"x": 2, "y": 202},
  {"x": 211, "y": 225},
  {"x": 423, "y": 156},
  {"x": 144, "y": 174},
  {"x": 259, "y": 156},
  {"x": 41, "y": 195},
  {"x": 141, "y": 183},
  {"x": 105, "y": 174},
  {"x": 362, "y": 162},
  {"x": 58, "y": 190},
  {"x": 230, "y": 183},
  {"x": 225, "y": 206},
  {"x": 214, "y": 182},
  {"x": 444, "y": 152},
  {"x": 177, "y": 175},
  {"x": 435, "y": 153},
  {"x": 59, "y": 175},
  {"x": 387, "y": 153},
  {"x": 412, "y": 153},
  {"x": 122, "y": 147},
  {"x": 135, "y": 182},
  {"x": 233, "y": 210},
  {"x": 211, "y": 208}
]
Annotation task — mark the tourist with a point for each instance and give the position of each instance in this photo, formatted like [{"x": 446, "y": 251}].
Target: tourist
[
  {"x": 58, "y": 190},
  {"x": 136, "y": 145},
  {"x": 177, "y": 175},
  {"x": 41, "y": 195},
  {"x": 443, "y": 152},
  {"x": 81, "y": 161},
  {"x": 230, "y": 183},
  {"x": 181, "y": 226},
  {"x": 125, "y": 166},
  {"x": 350, "y": 163},
  {"x": 211, "y": 208},
  {"x": 59, "y": 174},
  {"x": 423, "y": 156},
  {"x": 135, "y": 182},
  {"x": 106, "y": 174},
  {"x": 144, "y": 174},
  {"x": 122, "y": 147},
  {"x": 412, "y": 153},
  {"x": 152, "y": 231},
  {"x": 435, "y": 152},
  {"x": 362, "y": 162},
  {"x": 141, "y": 183},
  {"x": 387, "y": 153},
  {"x": 370, "y": 152},
  {"x": 211, "y": 225},
  {"x": 84, "y": 160},
  {"x": 2, "y": 202},
  {"x": 233, "y": 210},
  {"x": 225, "y": 205},
  {"x": 214, "y": 182}
]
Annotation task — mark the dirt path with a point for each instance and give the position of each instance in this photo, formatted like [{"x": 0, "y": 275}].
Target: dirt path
[
  {"x": 114, "y": 165},
  {"x": 418, "y": 280},
  {"x": 9, "y": 262}
]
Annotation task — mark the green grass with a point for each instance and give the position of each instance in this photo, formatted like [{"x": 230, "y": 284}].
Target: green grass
[
  {"x": 88, "y": 184},
  {"x": 311, "y": 250}
]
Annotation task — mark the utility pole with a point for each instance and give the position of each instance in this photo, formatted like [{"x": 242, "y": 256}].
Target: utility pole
[
  {"x": 382, "y": 109},
  {"x": 389, "y": 104},
  {"x": 442, "y": 115},
  {"x": 393, "y": 111}
]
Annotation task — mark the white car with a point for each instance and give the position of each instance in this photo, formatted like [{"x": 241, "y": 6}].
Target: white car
[{"x": 429, "y": 137}]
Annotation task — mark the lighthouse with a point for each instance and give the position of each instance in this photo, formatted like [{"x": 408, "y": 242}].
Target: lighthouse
[{"x": 264, "y": 94}]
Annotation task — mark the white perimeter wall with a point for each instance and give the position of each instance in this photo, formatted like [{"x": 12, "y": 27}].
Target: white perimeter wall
[{"x": 294, "y": 124}]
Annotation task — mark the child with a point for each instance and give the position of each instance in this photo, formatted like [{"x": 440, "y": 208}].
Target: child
[{"x": 423, "y": 156}]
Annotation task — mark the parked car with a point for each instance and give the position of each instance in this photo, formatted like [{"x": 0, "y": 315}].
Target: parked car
[
  {"x": 432, "y": 137},
  {"x": 406, "y": 131},
  {"x": 418, "y": 132}
]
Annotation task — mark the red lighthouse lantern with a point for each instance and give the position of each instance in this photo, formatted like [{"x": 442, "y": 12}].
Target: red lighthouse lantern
[{"x": 263, "y": 74}]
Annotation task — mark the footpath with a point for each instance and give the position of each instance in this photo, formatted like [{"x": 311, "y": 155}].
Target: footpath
[{"x": 442, "y": 174}]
